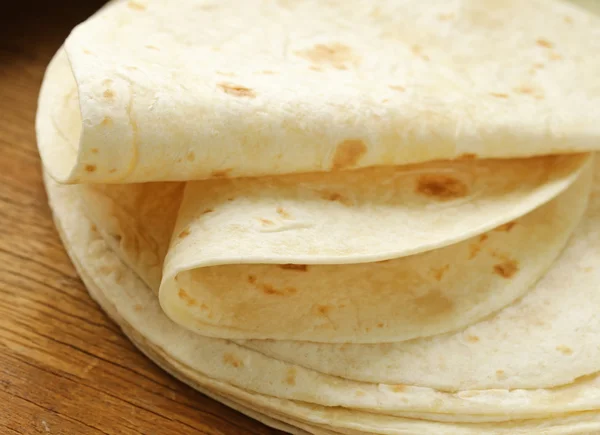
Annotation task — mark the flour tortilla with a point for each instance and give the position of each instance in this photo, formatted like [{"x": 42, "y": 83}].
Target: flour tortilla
[
  {"x": 195, "y": 89},
  {"x": 395, "y": 300},
  {"x": 127, "y": 300},
  {"x": 232, "y": 364}
]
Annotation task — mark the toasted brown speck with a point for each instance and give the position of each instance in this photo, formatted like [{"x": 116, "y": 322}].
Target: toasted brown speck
[
  {"x": 208, "y": 210},
  {"x": 136, "y": 6},
  {"x": 398, "y": 388},
  {"x": 360, "y": 393},
  {"x": 93, "y": 227},
  {"x": 290, "y": 377},
  {"x": 107, "y": 121},
  {"x": 438, "y": 273},
  {"x": 232, "y": 360},
  {"x": 152, "y": 47},
  {"x": 380, "y": 325},
  {"x": 506, "y": 269},
  {"x": 191, "y": 156},
  {"x": 336, "y": 197},
  {"x": 112, "y": 171},
  {"x": 94, "y": 150},
  {"x": 237, "y": 90},
  {"x": 297, "y": 267},
  {"x": 138, "y": 307},
  {"x": 323, "y": 309},
  {"x": 270, "y": 290},
  {"x": 418, "y": 51},
  {"x": 524, "y": 90},
  {"x": 506, "y": 227},
  {"x": 86, "y": 51},
  {"x": 433, "y": 303},
  {"x": 348, "y": 153},
  {"x": 565, "y": 350},
  {"x": 555, "y": 56},
  {"x": 251, "y": 279},
  {"x": 335, "y": 55},
  {"x": 499, "y": 94},
  {"x": 266, "y": 221},
  {"x": 185, "y": 297},
  {"x": 568, "y": 20},
  {"x": 500, "y": 374},
  {"x": 316, "y": 68},
  {"x": 472, "y": 338},
  {"x": 184, "y": 233},
  {"x": 397, "y": 88},
  {"x": 108, "y": 94},
  {"x": 544, "y": 43},
  {"x": 221, "y": 173},
  {"x": 283, "y": 213},
  {"x": 268, "y": 72},
  {"x": 467, "y": 156},
  {"x": 90, "y": 168},
  {"x": 442, "y": 187}
]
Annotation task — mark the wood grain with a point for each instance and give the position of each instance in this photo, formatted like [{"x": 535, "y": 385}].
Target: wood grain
[{"x": 64, "y": 367}]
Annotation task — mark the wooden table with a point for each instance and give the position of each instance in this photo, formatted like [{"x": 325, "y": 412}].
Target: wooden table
[{"x": 65, "y": 368}]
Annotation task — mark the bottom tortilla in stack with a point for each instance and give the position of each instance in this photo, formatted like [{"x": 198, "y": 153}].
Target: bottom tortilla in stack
[{"x": 545, "y": 341}]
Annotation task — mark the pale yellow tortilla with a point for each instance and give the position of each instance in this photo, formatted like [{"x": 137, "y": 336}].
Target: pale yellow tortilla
[{"x": 194, "y": 89}]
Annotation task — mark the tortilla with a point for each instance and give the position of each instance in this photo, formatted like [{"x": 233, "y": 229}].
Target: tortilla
[
  {"x": 197, "y": 89},
  {"x": 131, "y": 300}
]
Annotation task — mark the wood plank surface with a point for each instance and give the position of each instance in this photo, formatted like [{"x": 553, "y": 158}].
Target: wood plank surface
[{"x": 65, "y": 368}]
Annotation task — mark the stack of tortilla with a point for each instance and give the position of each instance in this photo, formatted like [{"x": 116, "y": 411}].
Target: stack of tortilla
[{"x": 342, "y": 217}]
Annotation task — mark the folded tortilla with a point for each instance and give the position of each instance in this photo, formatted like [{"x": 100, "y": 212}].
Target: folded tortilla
[
  {"x": 164, "y": 90},
  {"x": 333, "y": 403}
]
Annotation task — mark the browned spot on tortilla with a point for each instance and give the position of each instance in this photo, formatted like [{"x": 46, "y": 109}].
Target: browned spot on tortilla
[
  {"x": 335, "y": 55},
  {"x": 359, "y": 393},
  {"x": 90, "y": 168},
  {"x": 152, "y": 47},
  {"x": 438, "y": 273},
  {"x": 237, "y": 90},
  {"x": 270, "y": 290},
  {"x": 136, "y": 6},
  {"x": 86, "y": 51},
  {"x": 445, "y": 17},
  {"x": 441, "y": 186},
  {"x": 544, "y": 43},
  {"x": 397, "y": 88},
  {"x": 506, "y": 269},
  {"x": 483, "y": 238},
  {"x": 568, "y": 20},
  {"x": 268, "y": 72},
  {"x": 184, "y": 233},
  {"x": 138, "y": 307},
  {"x": 555, "y": 56},
  {"x": 283, "y": 213},
  {"x": 204, "y": 307},
  {"x": 221, "y": 173},
  {"x": 348, "y": 153},
  {"x": 108, "y": 94},
  {"x": 112, "y": 171},
  {"x": 472, "y": 338},
  {"x": 107, "y": 121},
  {"x": 208, "y": 210},
  {"x": 506, "y": 227},
  {"x": 191, "y": 156},
  {"x": 336, "y": 197},
  {"x": 323, "y": 309},
  {"x": 290, "y": 377},
  {"x": 380, "y": 325},
  {"x": 467, "y": 156},
  {"x": 433, "y": 303},
  {"x": 538, "y": 65},
  {"x": 251, "y": 279},
  {"x": 316, "y": 68},
  {"x": 500, "y": 374},
  {"x": 527, "y": 90},
  {"x": 565, "y": 350},
  {"x": 185, "y": 297},
  {"x": 499, "y": 94},
  {"x": 588, "y": 269},
  {"x": 398, "y": 388},
  {"x": 266, "y": 221},
  {"x": 418, "y": 51},
  {"x": 298, "y": 267},
  {"x": 94, "y": 150},
  {"x": 93, "y": 227},
  {"x": 232, "y": 360}
]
